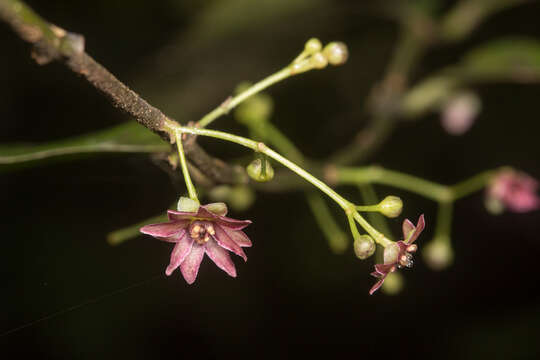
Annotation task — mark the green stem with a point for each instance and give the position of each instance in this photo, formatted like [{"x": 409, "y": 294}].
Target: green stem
[
  {"x": 231, "y": 103},
  {"x": 368, "y": 208},
  {"x": 183, "y": 163},
  {"x": 444, "y": 221},
  {"x": 347, "y": 206},
  {"x": 119, "y": 236},
  {"x": 472, "y": 185},
  {"x": 369, "y": 196},
  {"x": 376, "y": 174},
  {"x": 261, "y": 147},
  {"x": 336, "y": 238}
]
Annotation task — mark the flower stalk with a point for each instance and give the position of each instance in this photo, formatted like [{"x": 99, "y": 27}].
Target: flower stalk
[{"x": 192, "y": 192}]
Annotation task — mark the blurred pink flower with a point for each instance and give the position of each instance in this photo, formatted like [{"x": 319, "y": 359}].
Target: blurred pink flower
[
  {"x": 513, "y": 190},
  {"x": 460, "y": 112},
  {"x": 398, "y": 254},
  {"x": 197, "y": 233}
]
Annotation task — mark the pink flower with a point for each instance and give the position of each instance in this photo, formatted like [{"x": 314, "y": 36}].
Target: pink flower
[
  {"x": 514, "y": 190},
  {"x": 460, "y": 112},
  {"x": 206, "y": 231},
  {"x": 398, "y": 254}
]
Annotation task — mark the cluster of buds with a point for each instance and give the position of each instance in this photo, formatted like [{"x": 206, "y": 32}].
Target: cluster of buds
[{"x": 314, "y": 56}]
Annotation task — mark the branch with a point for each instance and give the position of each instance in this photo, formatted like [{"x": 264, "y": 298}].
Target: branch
[{"x": 52, "y": 43}]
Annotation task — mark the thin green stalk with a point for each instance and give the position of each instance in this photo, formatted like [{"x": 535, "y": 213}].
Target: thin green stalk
[
  {"x": 472, "y": 185},
  {"x": 231, "y": 103},
  {"x": 368, "y": 208},
  {"x": 444, "y": 221},
  {"x": 119, "y": 236},
  {"x": 377, "y": 236},
  {"x": 183, "y": 163},
  {"x": 369, "y": 196},
  {"x": 261, "y": 147},
  {"x": 337, "y": 239},
  {"x": 376, "y": 174}
]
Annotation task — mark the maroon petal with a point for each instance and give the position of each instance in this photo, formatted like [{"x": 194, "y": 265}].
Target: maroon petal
[
  {"x": 179, "y": 253},
  {"x": 383, "y": 269},
  {"x": 226, "y": 242},
  {"x": 190, "y": 266},
  {"x": 223, "y": 220},
  {"x": 220, "y": 257},
  {"x": 377, "y": 285},
  {"x": 164, "y": 230},
  {"x": 408, "y": 227},
  {"x": 180, "y": 215},
  {"x": 238, "y": 237}
]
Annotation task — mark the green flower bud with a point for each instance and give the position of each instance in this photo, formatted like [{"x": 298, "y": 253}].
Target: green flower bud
[
  {"x": 393, "y": 283},
  {"x": 260, "y": 170},
  {"x": 364, "y": 247},
  {"x": 438, "y": 254},
  {"x": 312, "y": 46},
  {"x": 319, "y": 61},
  {"x": 218, "y": 208},
  {"x": 336, "y": 53},
  {"x": 391, "y": 253},
  {"x": 241, "y": 197},
  {"x": 188, "y": 205},
  {"x": 391, "y": 206}
]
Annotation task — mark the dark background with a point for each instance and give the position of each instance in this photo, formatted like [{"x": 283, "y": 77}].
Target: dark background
[{"x": 185, "y": 57}]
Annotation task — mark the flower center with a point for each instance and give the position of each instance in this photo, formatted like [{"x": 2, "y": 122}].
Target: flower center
[{"x": 201, "y": 232}]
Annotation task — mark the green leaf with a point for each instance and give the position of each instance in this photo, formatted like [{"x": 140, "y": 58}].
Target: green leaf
[
  {"x": 127, "y": 138},
  {"x": 510, "y": 59}
]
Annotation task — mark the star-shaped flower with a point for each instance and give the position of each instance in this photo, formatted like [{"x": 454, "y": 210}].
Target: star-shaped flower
[
  {"x": 398, "y": 254},
  {"x": 205, "y": 231}
]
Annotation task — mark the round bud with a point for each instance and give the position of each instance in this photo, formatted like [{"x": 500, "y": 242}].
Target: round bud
[
  {"x": 438, "y": 254},
  {"x": 391, "y": 253},
  {"x": 217, "y": 208},
  {"x": 391, "y": 206},
  {"x": 260, "y": 170},
  {"x": 393, "y": 283},
  {"x": 319, "y": 61},
  {"x": 312, "y": 46},
  {"x": 186, "y": 204},
  {"x": 241, "y": 197},
  {"x": 336, "y": 53},
  {"x": 364, "y": 247}
]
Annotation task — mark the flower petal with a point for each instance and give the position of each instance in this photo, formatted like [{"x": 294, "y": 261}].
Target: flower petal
[
  {"x": 377, "y": 285},
  {"x": 223, "y": 220},
  {"x": 180, "y": 215},
  {"x": 226, "y": 242},
  {"x": 190, "y": 266},
  {"x": 220, "y": 257},
  {"x": 179, "y": 253},
  {"x": 238, "y": 237},
  {"x": 164, "y": 230},
  {"x": 411, "y": 232}
]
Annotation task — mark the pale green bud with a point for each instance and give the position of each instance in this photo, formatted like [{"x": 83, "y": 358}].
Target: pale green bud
[
  {"x": 260, "y": 170},
  {"x": 391, "y": 253},
  {"x": 364, "y": 247},
  {"x": 336, "y": 53},
  {"x": 438, "y": 254},
  {"x": 391, "y": 206},
  {"x": 393, "y": 283},
  {"x": 187, "y": 205},
  {"x": 312, "y": 46},
  {"x": 218, "y": 208},
  {"x": 319, "y": 61}
]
